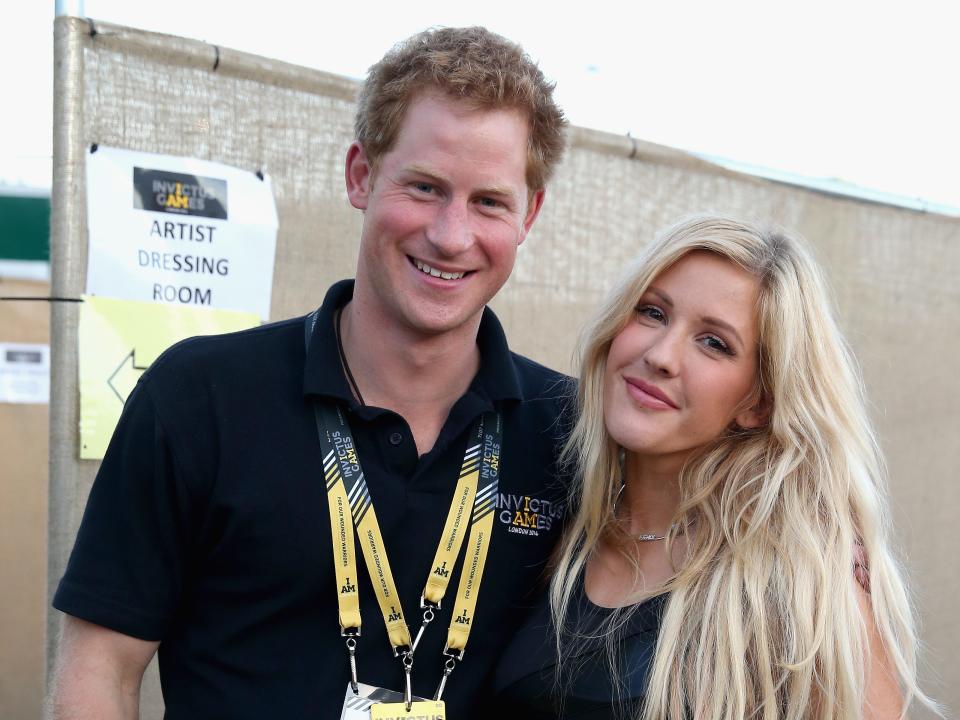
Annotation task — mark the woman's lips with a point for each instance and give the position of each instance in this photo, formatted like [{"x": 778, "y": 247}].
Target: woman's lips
[{"x": 649, "y": 396}]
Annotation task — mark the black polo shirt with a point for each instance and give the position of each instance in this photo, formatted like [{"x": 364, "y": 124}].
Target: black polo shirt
[{"x": 207, "y": 526}]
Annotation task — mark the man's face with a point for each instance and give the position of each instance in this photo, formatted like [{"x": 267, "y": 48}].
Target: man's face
[{"x": 444, "y": 213}]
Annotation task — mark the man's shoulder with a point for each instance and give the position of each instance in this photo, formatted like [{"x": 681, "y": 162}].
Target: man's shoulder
[
  {"x": 233, "y": 346},
  {"x": 211, "y": 358},
  {"x": 538, "y": 382}
]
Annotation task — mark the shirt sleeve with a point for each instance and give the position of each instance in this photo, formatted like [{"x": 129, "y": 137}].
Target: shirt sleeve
[{"x": 129, "y": 564}]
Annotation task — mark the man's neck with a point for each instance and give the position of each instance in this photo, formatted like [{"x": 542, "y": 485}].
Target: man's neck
[{"x": 418, "y": 376}]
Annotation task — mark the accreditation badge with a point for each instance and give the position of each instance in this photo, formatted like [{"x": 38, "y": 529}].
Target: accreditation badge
[
  {"x": 419, "y": 710},
  {"x": 374, "y": 703}
]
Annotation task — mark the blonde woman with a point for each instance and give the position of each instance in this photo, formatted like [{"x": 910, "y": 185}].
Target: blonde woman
[{"x": 728, "y": 554}]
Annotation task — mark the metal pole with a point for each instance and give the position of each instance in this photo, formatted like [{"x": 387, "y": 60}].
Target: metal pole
[{"x": 67, "y": 268}]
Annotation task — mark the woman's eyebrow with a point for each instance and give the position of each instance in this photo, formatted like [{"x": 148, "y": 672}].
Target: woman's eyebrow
[
  {"x": 662, "y": 295},
  {"x": 707, "y": 319},
  {"x": 723, "y": 325}
]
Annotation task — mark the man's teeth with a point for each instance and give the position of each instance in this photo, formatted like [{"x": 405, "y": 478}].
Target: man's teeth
[{"x": 437, "y": 273}]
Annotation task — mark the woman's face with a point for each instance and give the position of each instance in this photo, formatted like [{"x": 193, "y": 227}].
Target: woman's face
[{"x": 685, "y": 368}]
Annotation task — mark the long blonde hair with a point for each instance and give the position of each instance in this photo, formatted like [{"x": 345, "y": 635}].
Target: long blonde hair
[{"x": 762, "y": 617}]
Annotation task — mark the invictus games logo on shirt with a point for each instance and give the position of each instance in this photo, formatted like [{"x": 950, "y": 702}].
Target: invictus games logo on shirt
[
  {"x": 527, "y": 515},
  {"x": 172, "y": 192}
]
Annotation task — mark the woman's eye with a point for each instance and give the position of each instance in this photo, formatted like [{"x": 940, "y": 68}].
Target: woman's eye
[
  {"x": 423, "y": 187},
  {"x": 651, "y": 312},
  {"x": 717, "y": 345}
]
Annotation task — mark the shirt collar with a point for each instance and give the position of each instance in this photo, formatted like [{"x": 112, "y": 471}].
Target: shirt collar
[
  {"x": 496, "y": 380},
  {"x": 323, "y": 373}
]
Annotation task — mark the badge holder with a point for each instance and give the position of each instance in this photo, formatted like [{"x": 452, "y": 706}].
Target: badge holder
[
  {"x": 374, "y": 702},
  {"x": 367, "y": 702}
]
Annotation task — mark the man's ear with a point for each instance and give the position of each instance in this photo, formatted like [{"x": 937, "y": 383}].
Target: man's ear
[
  {"x": 358, "y": 173},
  {"x": 533, "y": 209}
]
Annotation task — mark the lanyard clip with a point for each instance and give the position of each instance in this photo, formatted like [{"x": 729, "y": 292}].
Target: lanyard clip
[
  {"x": 408, "y": 682},
  {"x": 428, "y": 616},
  {"x": 352, "y": 651},
  {"x": 401, "y": 651},
  {"x": 453, "y": 653},
  {"x": 448, "y": 667}
]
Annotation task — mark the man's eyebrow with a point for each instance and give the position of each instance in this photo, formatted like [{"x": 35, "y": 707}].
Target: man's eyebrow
[
  {"x": 426, "y": 172},
  {"x": 723, "y": 325},
  {"x": 499, "y": 190}
]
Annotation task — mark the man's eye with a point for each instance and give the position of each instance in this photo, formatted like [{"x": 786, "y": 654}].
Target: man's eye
[
  {"x": 423, "y": 187},
  {"x": 651, "y": 312},
  {"x": 490, "y": 202}
]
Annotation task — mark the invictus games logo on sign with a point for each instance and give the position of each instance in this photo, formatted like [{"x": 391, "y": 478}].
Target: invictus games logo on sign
[{"x": 172, "y": 192}]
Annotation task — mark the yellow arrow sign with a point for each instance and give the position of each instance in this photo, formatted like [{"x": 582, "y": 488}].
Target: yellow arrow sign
[
  {"x": 124, "y": 378},
  {"x": 118, "y": 341}
]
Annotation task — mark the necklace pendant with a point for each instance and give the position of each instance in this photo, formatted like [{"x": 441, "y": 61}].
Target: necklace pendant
[{"x": 647, "y": 537}]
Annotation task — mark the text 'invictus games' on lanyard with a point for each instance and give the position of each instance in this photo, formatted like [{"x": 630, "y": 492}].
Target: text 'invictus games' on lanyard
[{"x": 351, "y": 510}]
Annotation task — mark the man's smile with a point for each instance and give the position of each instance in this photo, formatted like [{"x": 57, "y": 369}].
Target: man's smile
[{"x": 436, "y": 272}]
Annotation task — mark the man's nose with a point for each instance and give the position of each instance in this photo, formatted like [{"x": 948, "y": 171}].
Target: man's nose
[
  {"x": 450, "y": 232},
  {"x": 663, "y": 357}
]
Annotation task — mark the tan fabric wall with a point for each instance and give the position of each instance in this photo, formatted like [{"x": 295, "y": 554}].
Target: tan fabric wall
[
  {"x": 23, "y": 516},
  {"x": 894, "y": 271}
]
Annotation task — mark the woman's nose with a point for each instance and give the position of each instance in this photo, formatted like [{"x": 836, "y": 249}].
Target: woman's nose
[{"x": 663, "y": 356}]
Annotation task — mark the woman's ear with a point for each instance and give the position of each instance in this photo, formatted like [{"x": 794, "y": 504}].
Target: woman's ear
[{"x": 757, "y": 415}]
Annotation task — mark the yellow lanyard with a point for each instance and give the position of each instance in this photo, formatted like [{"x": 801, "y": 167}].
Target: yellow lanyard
[{"x": 351, "y": 508}]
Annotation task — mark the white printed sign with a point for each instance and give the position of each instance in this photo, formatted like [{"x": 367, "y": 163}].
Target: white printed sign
[
  {"x": 179, "y": 230},
  {"x": 24, "y": 373}
]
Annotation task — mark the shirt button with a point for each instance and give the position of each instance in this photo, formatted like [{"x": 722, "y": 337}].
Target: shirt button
[{"x": 396, "y": 438}]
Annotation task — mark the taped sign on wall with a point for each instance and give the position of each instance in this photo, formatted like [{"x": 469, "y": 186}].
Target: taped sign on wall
[{"x": 180, "y": 231}]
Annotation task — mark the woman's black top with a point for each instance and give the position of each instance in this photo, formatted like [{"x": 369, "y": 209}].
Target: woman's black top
[{"x": 526, "y": 680}]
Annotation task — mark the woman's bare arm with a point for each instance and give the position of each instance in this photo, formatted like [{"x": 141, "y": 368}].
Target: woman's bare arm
[{"x": 883, "y": 699}]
